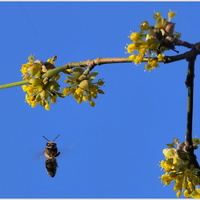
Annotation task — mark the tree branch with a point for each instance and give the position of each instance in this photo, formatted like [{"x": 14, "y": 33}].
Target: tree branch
[
  {"x": 190, "y": 85},
  {"x": 178, "y": 42},
  {"x": 97, "y": 61}
]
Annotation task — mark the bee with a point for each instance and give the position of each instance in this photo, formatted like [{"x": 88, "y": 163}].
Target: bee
[{"x": 51, "y": 152}]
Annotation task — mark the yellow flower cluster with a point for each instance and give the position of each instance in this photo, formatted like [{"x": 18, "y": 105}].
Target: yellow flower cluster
[
  {"x": 152, "y": 40},
  {"x": 176, "y": 169},
  {"x": 81, "y": 86},
  {"x": 40, "y": 90}
]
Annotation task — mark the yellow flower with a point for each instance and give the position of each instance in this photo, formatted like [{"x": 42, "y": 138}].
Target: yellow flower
[
  {"x": 79, "y": 91},
  {"x": 144, "y": 26},
  {"x": 153, "y": 63},
  {"x": 142, "y": 49},
  {"x": 31, "y": 58},
  {"x": 178, "y": 194},
  {"x": 53, "y": 99},
  {"x": 84, "y": 98},
  {"x": 51, "y": 60},
  {"x": 166, "y": 179},
  {"x": 25, "y": 67},
  {"x": 178, "y": 185},
  {"x": 132, "y": 57},
  {"x": 175, "y": 139},
  {"x": 160, "y": 57},
  {"x": 160, "y": 23},
  {"x": 186, "y": 193},
  {"x": 33, "y": 103},
  {"x": 196, "y": 140},
  {"x": 167, "y": 165},
  {"x": 169, "y": 152},
  {"x": 156, "y": 15},
  {"x": 138, "y": 59},
  {"x": 196, "y": 194},
  {"x": 47, "y": 106},
  {"x": 153, "y": 44},
  {"x": 131, "y": 48},
  {"x": 171, "y": 14},
  {"x": 135, "y": 37}
]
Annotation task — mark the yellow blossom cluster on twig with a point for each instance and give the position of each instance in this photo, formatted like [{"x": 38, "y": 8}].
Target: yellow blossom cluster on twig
[
  {"x": 40, "y": 90},
  {"x": 152, "y": 40},
  {"x": 82, "y": 87},
  {"x": 186, "y": 177}
]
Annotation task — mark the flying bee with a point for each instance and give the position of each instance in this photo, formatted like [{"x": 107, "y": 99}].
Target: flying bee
[{"x": 51, "y": 152}]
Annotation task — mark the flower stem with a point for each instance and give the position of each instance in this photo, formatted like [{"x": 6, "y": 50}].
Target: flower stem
[
  {"x": 50, "y": 73},
  {"x": 13, "y": 84}
]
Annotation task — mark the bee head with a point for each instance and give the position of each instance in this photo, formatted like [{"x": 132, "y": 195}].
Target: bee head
[{"x": 50, "y": 145}]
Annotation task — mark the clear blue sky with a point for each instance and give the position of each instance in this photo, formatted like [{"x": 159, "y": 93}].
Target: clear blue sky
[{"x": 112, "y": 150}]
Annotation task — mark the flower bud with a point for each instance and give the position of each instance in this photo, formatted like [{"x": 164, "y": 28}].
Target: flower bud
[
  {"x": 84, "y": 85},
  {"x": 47, "y": 106},
  {"x": 178, "y": 194},
  {"x": 35, "y": 81},
  {"x": 160, "y": 22},
  {"x": 44, "y": 94},
  {"x": 92, "y": 103},
  {"x": 34, "y": 69},
  {"x": 100, "y": 91},
  {"x": 77, "y": 72},
  {"x": 53, "y": 98},
  {"x": 31, "y": 58},
  {"x": 169, "y": 28}
]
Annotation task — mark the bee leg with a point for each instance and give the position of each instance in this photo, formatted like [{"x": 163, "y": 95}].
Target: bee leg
[{"x": 57, "y": 154}]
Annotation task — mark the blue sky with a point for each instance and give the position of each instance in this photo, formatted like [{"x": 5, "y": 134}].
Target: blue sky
[{"x": 112, "y": 150}]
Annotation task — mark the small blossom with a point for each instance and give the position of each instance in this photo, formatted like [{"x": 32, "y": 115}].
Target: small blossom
[
  {"x": 171, "y": 14},
  {"x": 47, "y": 106},
  {"x": 138, "y": 59},
  {"x": 144, "y": 26},
  {"x": 132, "y": 57},
  {"x": 160, "y": 57},
  {"x": 135, "y": 37},
  {"x": 31, "y": 58},
  {"x": 156, "y": 15},
  {"x": 178, "y": 194},
  {"x": 131, "y": 48}
]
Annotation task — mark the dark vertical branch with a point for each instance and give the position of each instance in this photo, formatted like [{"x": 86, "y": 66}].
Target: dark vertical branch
[{"x": 190, "y": 85}]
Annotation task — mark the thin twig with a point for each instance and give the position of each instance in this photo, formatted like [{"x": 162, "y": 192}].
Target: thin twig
[{"x": 52, "y": 72}]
